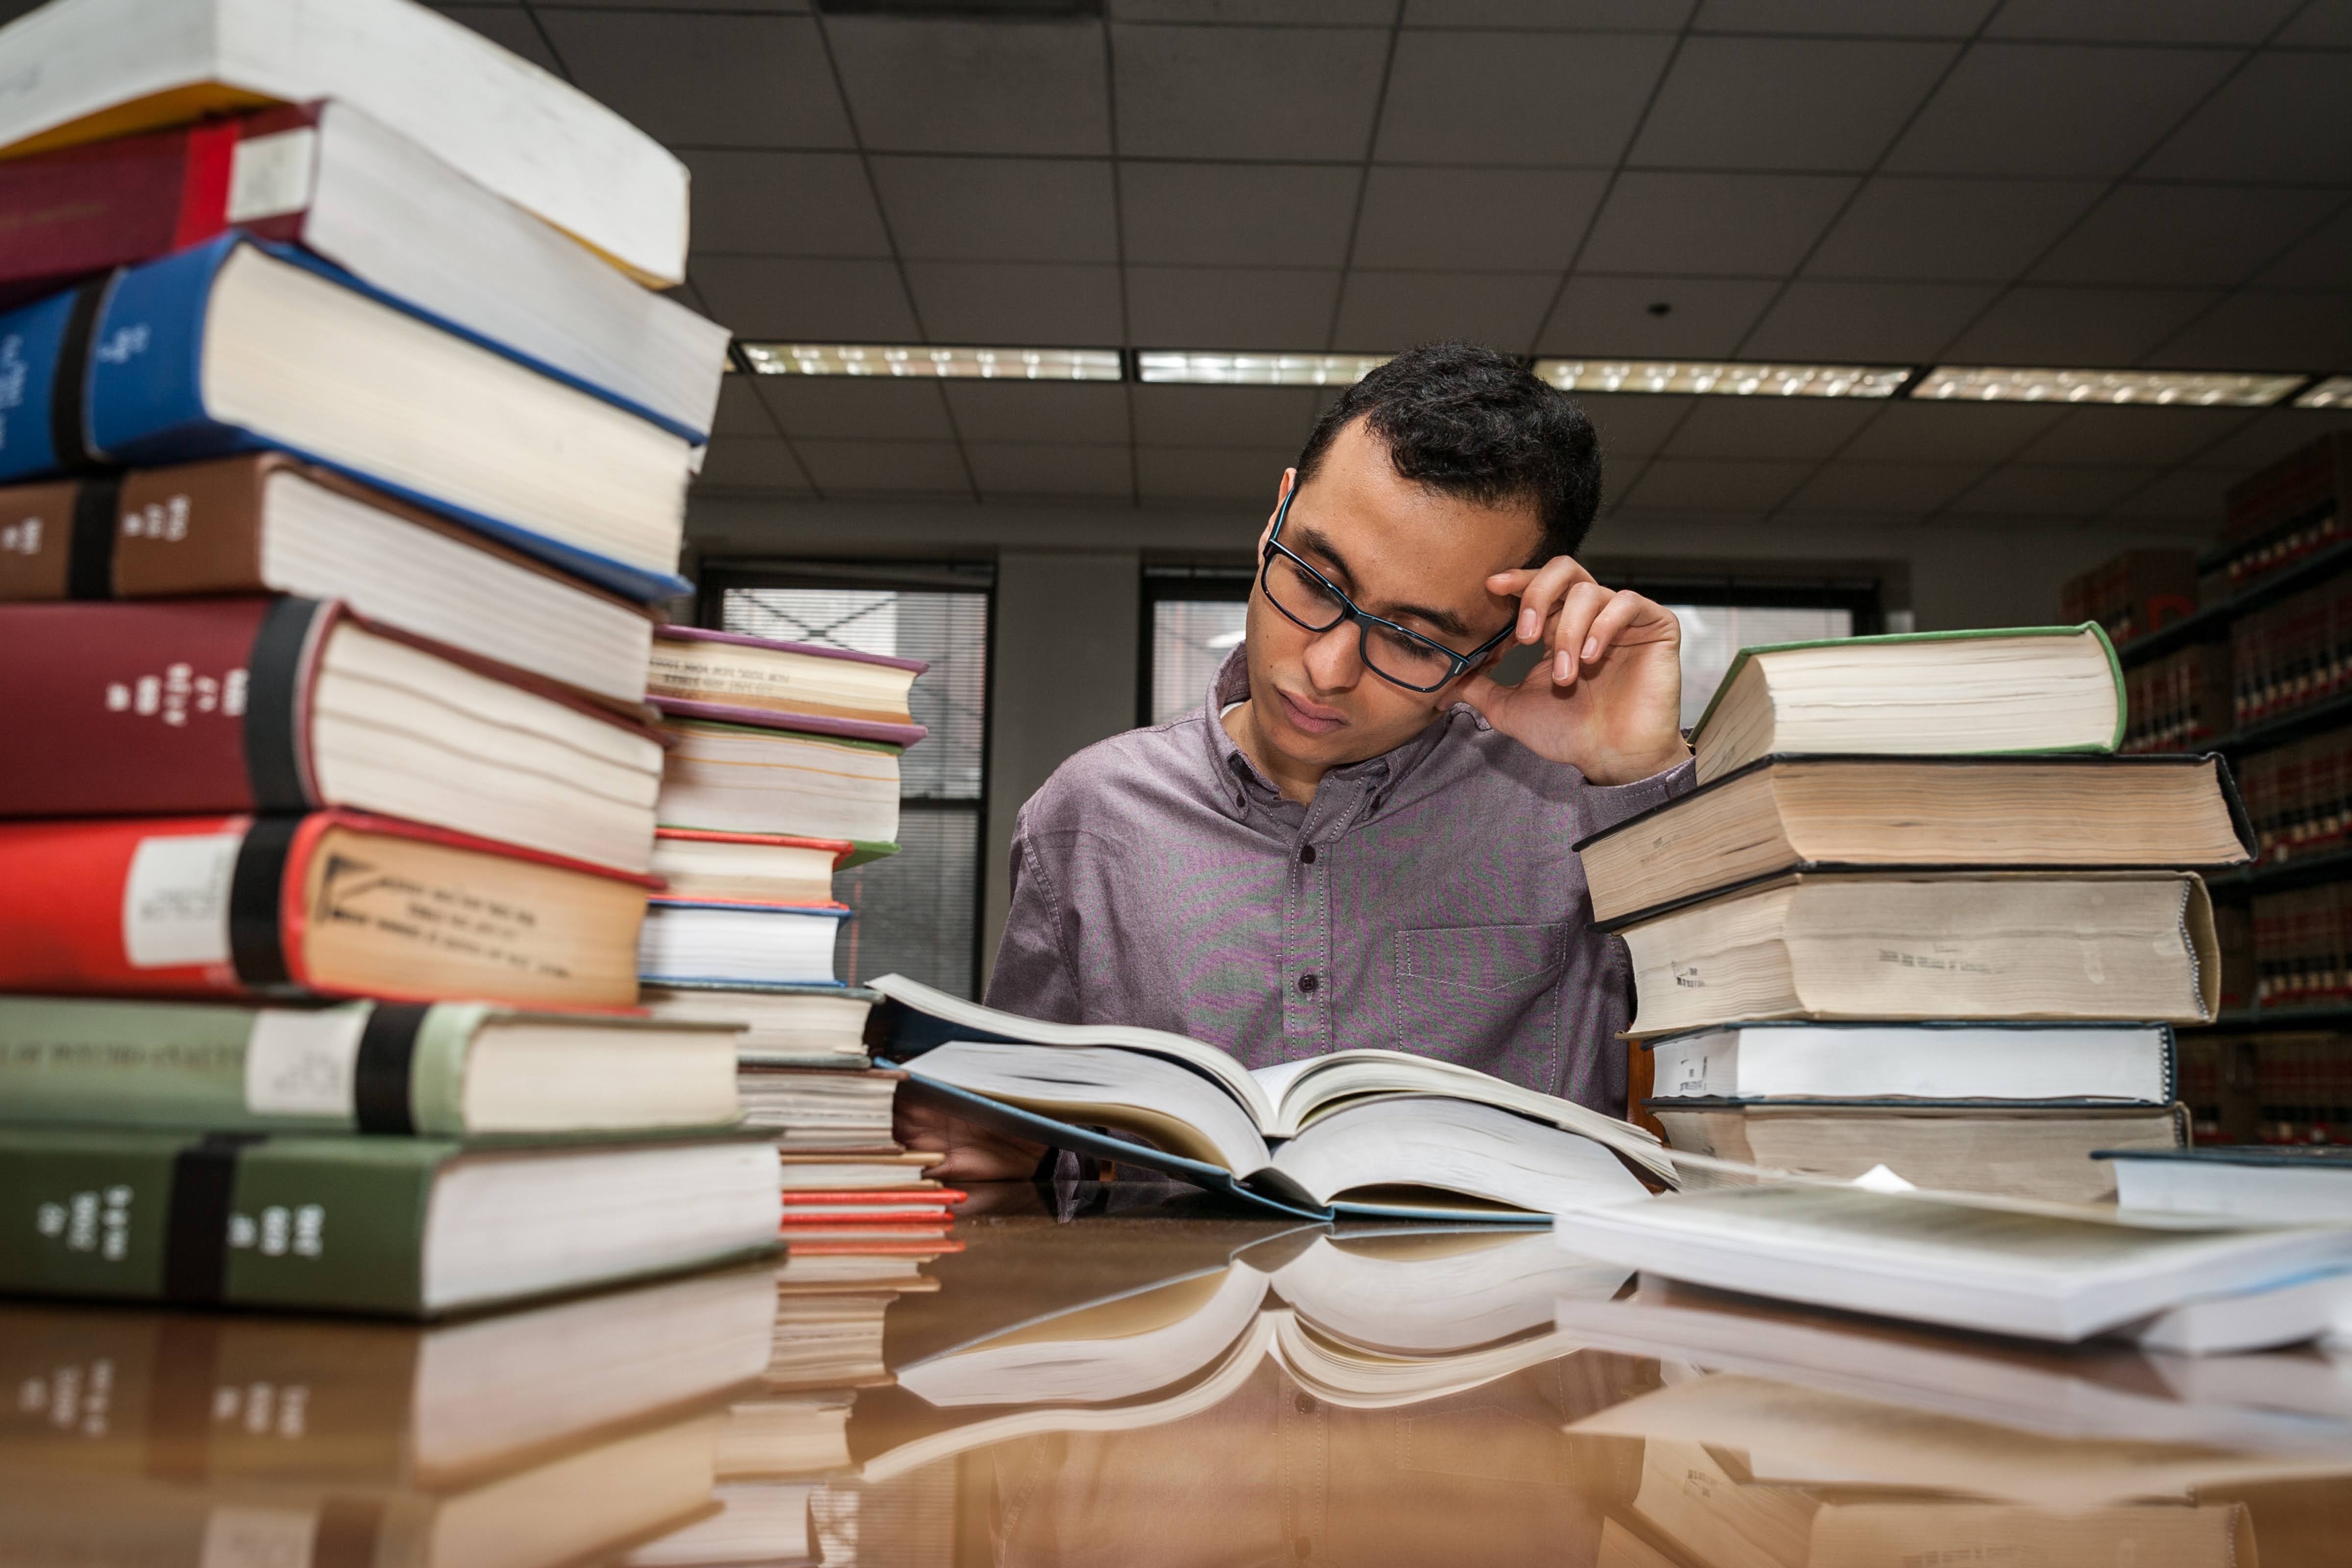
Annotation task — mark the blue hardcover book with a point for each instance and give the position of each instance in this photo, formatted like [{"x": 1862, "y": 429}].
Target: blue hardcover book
[{"x": 239, "y": 345}]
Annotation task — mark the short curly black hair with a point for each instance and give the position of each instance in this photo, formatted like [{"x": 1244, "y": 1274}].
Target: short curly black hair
[{"x": 1477, "y": 424}]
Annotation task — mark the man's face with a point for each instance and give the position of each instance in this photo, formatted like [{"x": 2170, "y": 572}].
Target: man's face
[{"x": 1401, "y": 550}]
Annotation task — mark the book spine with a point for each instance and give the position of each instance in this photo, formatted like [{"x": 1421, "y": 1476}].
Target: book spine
[
  {"x": 364, "y": 1067},
  {"x": 193, "y": 528},
  {"x": 197, "y": 705},
  {"x": 33, "y": 352},
  {"x": 83, "y": 210},
  {"x": 218, "y": 1219},
  {"x": 145, "y": 397}
]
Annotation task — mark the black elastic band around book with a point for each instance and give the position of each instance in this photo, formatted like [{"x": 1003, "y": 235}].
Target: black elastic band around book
[
  {"x": 89, "y": 543},
  {"x": 273, "y": 716},
  {"x": 256, "y": 946},
  {"x": 345, "y": 1537},
  {"x": 380, "y": 1099},
  {"x": 195, "y": 1225},
  {"x": 69, "y": 389}
]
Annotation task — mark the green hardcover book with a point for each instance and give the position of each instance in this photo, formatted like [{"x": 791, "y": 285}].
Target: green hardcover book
[
  {"x": 1972, "y": 693},
  {"x": 450, "y": 1069},
  {"x": 413, "y": 1227}
]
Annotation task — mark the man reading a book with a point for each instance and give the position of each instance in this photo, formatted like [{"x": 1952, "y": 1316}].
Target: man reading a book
[{"x": 1361, "y": 838}]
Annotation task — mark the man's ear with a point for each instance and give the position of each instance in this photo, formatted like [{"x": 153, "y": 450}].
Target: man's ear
[{"x": 1281, "y": 493}]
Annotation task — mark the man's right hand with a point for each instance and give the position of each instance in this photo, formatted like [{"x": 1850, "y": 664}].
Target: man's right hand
[{"x": 974, "y": 1152}]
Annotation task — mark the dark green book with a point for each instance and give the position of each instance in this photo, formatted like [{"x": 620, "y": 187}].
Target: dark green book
[{"x": 412, "y": 1227}]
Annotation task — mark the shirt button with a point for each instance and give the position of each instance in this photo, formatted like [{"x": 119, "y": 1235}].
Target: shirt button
[
  {"x": 1306, "y": 855},
  {"x": 1307, "y": 982}
]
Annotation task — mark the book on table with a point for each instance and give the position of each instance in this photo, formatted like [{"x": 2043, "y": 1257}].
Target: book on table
[
  {"x": 1356, "y": 1132},
  {"x": 266, "y": 523},
  {"x": 749, "y": 867},
  {"x": 825, "y": 1110},
  {"x": 2023, "y": 688},
  {"x": 735, "y": 678},
  {"x": 820, "y": 1172},
  {"x": 1785, "y": 814},
  {"x": 451, "y": 1069},
  {"x": 337, "y": 903},
  {"x": 1927, "y": 1061},
  {"x": 746, "y": 779},
  {"x": 1904, "y": 947},
  {"x": 732, "y": 944},
  {"x": 109, "y": 68},
  {"x": 2285, "y": 1183},
  {"x": 414, "y": 1227},
  {"x": 784, "y": 1024},
  {"x": 288, "y": 705},
  {"x": 345, "y": 187},
  {"x": 238, "y": 344}
]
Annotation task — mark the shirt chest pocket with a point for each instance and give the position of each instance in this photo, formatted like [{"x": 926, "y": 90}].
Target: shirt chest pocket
[{"x": 1485, "y": 996}]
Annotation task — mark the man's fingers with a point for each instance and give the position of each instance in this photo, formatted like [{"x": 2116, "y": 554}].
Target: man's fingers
[
  {"x": 1542, "y": 591},
  {"x": 1573, "y": 631}
]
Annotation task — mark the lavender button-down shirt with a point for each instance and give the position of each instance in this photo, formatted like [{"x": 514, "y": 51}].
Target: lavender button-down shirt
[{"x": 1425, "y": 900}]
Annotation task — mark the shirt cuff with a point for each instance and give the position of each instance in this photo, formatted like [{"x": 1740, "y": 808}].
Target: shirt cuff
[{"x": 1606, "y": 805}]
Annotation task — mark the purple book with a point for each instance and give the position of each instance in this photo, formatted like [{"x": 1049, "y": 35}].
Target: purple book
[{"x": 887, "y": 733}]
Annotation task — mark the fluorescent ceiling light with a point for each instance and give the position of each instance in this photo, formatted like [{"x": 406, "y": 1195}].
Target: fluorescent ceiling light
[
  {"x": 2180, "y": 388},
  {"x": 1725, "y": 379},
  {"x": 958, "y": 364},
  {"x": 1183, "y": 365},
  {"x": 2336, "y": 392}
]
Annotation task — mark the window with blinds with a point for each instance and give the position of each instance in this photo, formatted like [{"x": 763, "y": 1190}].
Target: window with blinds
[{"x": 916, "y": 913}]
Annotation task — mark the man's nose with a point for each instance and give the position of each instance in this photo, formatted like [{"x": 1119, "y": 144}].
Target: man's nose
[{"x": 1335, "y": 658}]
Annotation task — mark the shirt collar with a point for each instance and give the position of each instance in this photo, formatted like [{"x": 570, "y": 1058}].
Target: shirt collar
[{"x": 1232, "y": 767}]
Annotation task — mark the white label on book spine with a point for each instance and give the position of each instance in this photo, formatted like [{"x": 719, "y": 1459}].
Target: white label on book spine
[
  {"x": 175, "y": 901},
  {"x": 301, "y": 1064},
  {"x": 271, "y": 174},
  {"x": 259, "y": 1537}
]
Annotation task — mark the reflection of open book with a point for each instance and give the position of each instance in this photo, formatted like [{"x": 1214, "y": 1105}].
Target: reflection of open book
[
  {"x": 1368, "y": 1321},
  {"x": 1361, "y": 1132}
]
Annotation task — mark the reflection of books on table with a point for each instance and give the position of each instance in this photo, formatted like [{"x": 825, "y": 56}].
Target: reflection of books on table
[{"x": 1372, "y": 1133}]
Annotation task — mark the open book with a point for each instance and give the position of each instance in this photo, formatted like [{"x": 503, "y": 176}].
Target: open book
[{"x": 1371, "y": 1132}]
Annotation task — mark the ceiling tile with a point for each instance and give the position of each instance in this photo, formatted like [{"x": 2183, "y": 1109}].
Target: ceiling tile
[
  {"x": 2019, "y": 489},
  {"x": 1786, "y": 103},
  {"x": 1398, "y": 309},
  {"x": 1229, "y": 308},
  {"x": 999, "y": 209},
  {"x": 2141, "y": 21},
  {"x": 2212, "y": 235},
  {"x": 2322, "y": 261},
  {"x": 2159, "y": 436},
  {"x": 509, "y": 26},
  {"x": 1237, "y": 214},
  {"x": 1923, "y": 19},
  {"x": 1884, "y": 489},
  {"x": 1738, "y": 225},
  {"x": 1939, "y": 433},
  {"x": 702, "y": 81},
  {"x": 855, "y": 408},
  {"x": 1285, "y": 12},
  {"x": 2323, "y": 22},
  {"x": 1014, "y": 304},
  {"x": 886, "y": 468},
  {"x": 2041, "y": 110},
  {"x": 2040, "y": 325},
  {"x": 2273, "y": 435},
  {"x": 1257, "y": 417},
  {"x": 1038, "y": 411},
  {"x": 1516, "y": 98},
  {"x": 1305, "y": 93},
  {"x": 1704, "y": 319},
  {"x": 2282, "y": 118},
  {"x": 1874, "y": 323},
  {"x": 740, "y": 411},
  {"x": 1630, "y": 426},
  {"x": 2266, "y": 332},
  {"x": 942, "y": 85},
  {"x": 1583, "y": 15},
  {"x": 1711, "y": 485},
  {"x": 751, "y": 463},
  {"x": 1947, "y": 229},
  {"x": 783, "y": 204},
  {"x": 1241, "y": 474},
  {"x": 1006, "y": 471},
  {"x": 1791, "y": 429},
  {"x": 1475, "y": 219},
  {"x": 826, "y": 301}
]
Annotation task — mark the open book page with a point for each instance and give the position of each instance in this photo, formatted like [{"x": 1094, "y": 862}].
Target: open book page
[{"x": 1103, "y": 1086}]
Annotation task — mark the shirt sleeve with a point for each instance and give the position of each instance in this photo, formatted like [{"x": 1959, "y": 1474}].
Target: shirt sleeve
[
  {"x": 1606, "y": 805},
  {"x": 1033, "y": 975}
]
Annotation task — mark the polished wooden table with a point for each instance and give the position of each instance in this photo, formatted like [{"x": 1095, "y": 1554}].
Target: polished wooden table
[{"x": 1131, "y": 1375}]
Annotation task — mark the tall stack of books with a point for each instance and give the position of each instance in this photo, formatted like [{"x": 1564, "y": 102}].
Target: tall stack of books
[
  {"x": 1916, "y": 915},
  {"x": 344, "y": 451},
  {"x": 783, "y": 770}
]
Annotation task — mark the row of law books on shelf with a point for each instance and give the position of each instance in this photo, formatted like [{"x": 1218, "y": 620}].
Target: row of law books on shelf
[{"x": 2280, "y": 1087}]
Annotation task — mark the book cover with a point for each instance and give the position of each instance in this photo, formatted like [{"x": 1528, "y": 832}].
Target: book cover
[{"x": 900, "y": 735}]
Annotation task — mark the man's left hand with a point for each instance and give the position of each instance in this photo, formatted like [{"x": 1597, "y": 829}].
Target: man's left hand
[{"x": 1606, "y": 696}]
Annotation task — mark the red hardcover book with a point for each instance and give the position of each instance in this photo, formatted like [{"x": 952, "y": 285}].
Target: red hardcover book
[{"x": 332, "y": 903}]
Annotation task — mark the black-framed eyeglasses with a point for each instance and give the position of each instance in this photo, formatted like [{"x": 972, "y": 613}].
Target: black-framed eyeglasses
[{"x": 1398, "y": 654}]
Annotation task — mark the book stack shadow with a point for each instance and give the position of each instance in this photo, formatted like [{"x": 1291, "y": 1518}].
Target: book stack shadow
[
  {"x": 783, "y": 770},
  {"x": 1918, "y": 915},
  {"x": 345, "y": 450}
]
